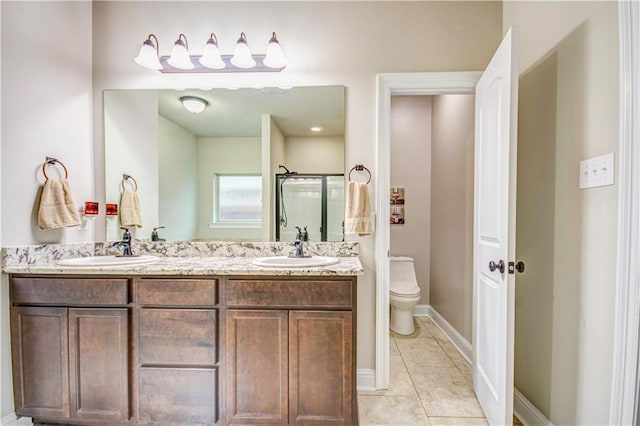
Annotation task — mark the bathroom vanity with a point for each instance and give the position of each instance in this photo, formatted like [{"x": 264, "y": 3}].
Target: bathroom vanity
[{"x": 141, "y": 346}]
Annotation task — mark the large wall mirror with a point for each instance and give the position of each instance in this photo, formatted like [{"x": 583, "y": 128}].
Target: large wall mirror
[{"x": 215, "y": 175}]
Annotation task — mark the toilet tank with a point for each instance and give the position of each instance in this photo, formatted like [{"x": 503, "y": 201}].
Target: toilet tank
[{"x": 401, "y": 269}]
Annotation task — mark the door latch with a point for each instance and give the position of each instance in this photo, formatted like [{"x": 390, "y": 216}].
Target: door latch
[{"x": 513, "y": 267}]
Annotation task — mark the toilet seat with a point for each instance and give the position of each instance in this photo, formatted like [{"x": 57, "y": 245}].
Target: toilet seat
[{"x": 404, "y": 289}]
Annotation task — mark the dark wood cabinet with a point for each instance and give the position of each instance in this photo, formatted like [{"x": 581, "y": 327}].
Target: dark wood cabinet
[
  {"x": 290, "y": 366},
  {"x": 70, "y": 362},
  {"x": 118, "y": 351},
  {"x": 39, "y": 344}
]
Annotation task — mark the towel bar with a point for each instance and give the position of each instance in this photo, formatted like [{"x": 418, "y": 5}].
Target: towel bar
[{"x": 126, "y": 177}]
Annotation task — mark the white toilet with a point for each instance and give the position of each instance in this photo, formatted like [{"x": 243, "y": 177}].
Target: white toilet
[{"x": 404, "y": 294}]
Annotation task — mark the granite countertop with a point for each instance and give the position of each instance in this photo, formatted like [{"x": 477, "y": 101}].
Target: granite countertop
[{"x": 237, "y": 265}]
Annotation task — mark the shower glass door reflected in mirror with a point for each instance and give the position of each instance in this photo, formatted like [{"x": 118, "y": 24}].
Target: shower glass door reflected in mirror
[{"x": 314, "y": 201}]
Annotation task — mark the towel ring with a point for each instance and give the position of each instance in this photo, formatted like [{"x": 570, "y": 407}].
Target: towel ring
[
  {"x": 126, "y": 177},
  {"x": 360, "y": 168},
  {"x": 53, "y": 161}
]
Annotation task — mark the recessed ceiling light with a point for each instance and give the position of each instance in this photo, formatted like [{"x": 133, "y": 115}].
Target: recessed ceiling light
[{"x": 316, "y": 129}]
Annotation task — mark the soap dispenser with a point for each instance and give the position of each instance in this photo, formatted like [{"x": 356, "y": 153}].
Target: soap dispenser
[{"x": 154, "y": 234}]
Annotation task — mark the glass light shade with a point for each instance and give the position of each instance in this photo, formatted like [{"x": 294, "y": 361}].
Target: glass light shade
[
  {"x": 242, "y": 55},
  {"x": 194, "y": 104},
  {"x": 180, "y": 56},
  {"x": 274, "y": 57},
  {"x": 211, "y": 57},
  {"x": 148, "y": 56}
]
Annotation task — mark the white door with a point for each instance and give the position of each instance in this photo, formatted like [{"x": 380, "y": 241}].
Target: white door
[{"x": 494, "y": 234}]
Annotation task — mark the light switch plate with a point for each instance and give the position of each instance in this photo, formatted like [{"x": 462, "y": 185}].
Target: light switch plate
[{"x": 597, "y": 171}]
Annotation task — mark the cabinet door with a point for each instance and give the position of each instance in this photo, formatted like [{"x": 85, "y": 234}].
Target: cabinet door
[
  {"x": 39, "y": 343},
  {"x": 257, "y": 361},
  {"x": 321, "y": 367},
  {"x": 98, "y": 356}
]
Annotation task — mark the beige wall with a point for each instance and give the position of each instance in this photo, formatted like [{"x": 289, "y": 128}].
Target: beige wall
[
  {"x": 317, "y": 154},
  {"x": 178, "y": 181},
  {"x": 220, "y": 155},
  {"x": 411, "y": 169},
  {"x": 576, "y": 307},
  {"x": 452, "y": 210}
]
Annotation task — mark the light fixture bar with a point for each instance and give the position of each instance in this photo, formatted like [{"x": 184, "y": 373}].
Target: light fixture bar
[{"x": 229, "y": 67}]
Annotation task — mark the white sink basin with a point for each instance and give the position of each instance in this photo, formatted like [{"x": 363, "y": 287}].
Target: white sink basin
[
  {"x": 109, "y": 260},
  {"x": 295, "y": 262}
]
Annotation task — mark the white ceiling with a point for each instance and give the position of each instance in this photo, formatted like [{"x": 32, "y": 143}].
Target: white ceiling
[{"x": 238, "y": 112}]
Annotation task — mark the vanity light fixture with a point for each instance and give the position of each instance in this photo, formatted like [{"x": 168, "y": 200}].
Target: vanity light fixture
[
  {"x": 180, "y": 54},
  {"x": 211, "y": 57},
  {"x": 194, "y": 104},
  {"x": 149, "y": 53},
  {"x": 211, "y": 60},
  {"x": 242, "y": 57},
  {"x": 274, "y": 57},
  {"x": 316, "y": 129}
]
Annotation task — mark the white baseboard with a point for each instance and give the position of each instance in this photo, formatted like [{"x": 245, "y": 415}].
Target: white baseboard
[
  {"x": 462, "y": 345},
  {"x": 11, "y": 420},
  {"x": 366, "y": 380},
  {"x": 524, "y": 410}
]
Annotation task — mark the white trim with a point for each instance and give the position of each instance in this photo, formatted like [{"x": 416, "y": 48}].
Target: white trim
[
  {"x": 435, "y": 83},
  {"x": 624, "y": 386},
  {"x": 526, "y": 412},
  {"x": 366, "y": 379},
  {"x": 462, "y": 345},
  {"x": 12, "y": 420},
  {"x": 421, "y": 311}
]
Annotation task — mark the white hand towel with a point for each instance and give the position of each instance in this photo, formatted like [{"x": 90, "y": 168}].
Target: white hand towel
[
  {"x": 357, "y": 218},
  {"x": 57, "y": 209},
  {"x": 130, "y": 209}
]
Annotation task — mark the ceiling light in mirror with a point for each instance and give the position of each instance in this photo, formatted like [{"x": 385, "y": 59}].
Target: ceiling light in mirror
[
  {"x": 194, "y": 104},
  {"x": 316, "y": 129}
]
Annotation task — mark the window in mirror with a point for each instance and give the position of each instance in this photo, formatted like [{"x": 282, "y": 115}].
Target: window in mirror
[{"x": 237, "y": 199}]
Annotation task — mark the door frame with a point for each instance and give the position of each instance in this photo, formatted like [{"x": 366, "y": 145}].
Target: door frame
[
  {"x": 625, "y": 381},
  {"x": 429, "y": 83}
]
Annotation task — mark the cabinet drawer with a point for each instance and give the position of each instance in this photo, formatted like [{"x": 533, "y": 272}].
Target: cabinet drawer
[
  {"x": 69, "y": 291},
  {"x": 177, "y": 336},
  {"x": 290, "y": 293},
  {"x": 177, "y": 395},
  {"x": 177, "y": 292}
]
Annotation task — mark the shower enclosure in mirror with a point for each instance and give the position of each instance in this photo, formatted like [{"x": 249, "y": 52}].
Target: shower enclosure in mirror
[
  {"x": 312, "y": 201},
  {"x": 186, "y": 164}
]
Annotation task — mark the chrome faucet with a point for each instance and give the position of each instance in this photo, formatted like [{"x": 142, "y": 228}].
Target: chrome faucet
[
  {"x": 125, "y": 243},
  {"x": 298, "y": 244}
]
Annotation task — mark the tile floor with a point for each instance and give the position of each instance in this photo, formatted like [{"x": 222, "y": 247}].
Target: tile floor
[{"x": 430, "y": 384}]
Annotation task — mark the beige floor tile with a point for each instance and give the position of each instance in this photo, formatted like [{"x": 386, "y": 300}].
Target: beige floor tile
[
  {"x": 445, "y": 392},
  {"x": 400, "y": 383},
  {"x": 393, "y": 347},
  {"x": 457, "y": 358},
  {"x": 458, "y": 421},
  {"x": 391, "y": 410},
  {"x": 425, "y": 352}
]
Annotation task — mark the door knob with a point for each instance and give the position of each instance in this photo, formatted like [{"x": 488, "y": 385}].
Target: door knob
[
  {"x": 513, "y": 267},
  {"x": 499, "y": 266}
]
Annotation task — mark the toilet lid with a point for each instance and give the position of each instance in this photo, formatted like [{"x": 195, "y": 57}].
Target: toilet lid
[{"x": 404, "y": 288}]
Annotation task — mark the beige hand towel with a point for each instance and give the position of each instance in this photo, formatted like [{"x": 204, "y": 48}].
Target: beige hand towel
[
  {"x": 57, "y": 209},
  {"x": 130, "y": 209},
  {"x": 357, "y": 210}
]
